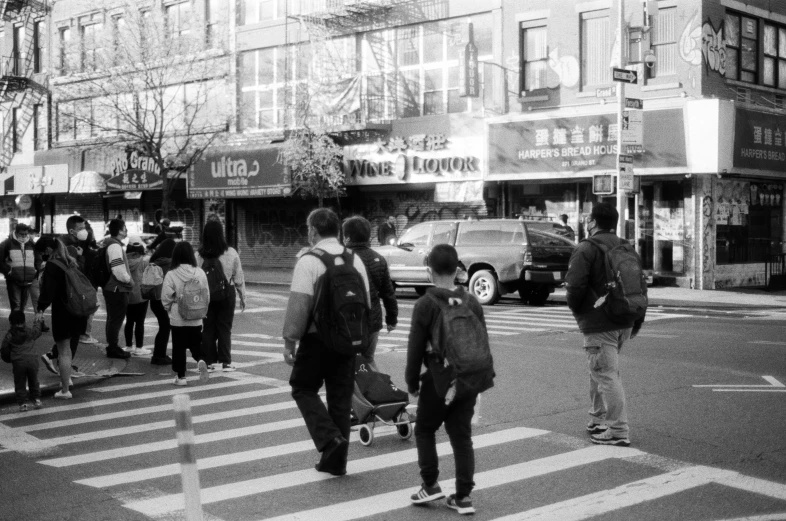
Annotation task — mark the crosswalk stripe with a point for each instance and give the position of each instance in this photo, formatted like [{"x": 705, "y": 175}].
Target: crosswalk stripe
[
  {"x": 167, "y": 424},
  {"x": 258, "y": 354},
  {"x": 626, "y": 495},
  {"x": 224, "y": 399},
  {"x": 256, "y": 344},
  {"x": 235, "y": 458},
  {"x": 145, "y": 448},
  {"x": 383, "y": 503},
  {"x": 256, "y": 335},
  {"x": 246, "y": 380},
  {"x": 534, "y": 321},
  {"x": 166, "y": 504}
]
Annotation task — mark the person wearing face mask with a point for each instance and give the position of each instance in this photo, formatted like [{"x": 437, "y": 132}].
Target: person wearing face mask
[
  {"x": 19, "y": 263},
  {"x": 116, "y": 291}
]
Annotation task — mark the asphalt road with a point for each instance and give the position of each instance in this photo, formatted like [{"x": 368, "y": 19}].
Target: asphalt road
[{"x": 707, "y": 405}]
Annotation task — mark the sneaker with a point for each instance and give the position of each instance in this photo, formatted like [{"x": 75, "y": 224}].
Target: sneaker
[
  {"x": 426, "y": 494},
  {"x": 60, "y": 395},
  {"x": 70, "y": 383},
  {"x": 228, "y": 368},
  {"x": 596, "y": 428},
  {"x": 180, "y": 381},
  {"x": 211, "y": 368},
  {"x": 161, "y": 360},
  {"x": 204, "y": 375},
  {"x": 117, "y": 353},
  {"x": 23, "y": 407},
  {"x": 37, "y": 404},
  {"x": 462, "y": 506},
  {"x": 44, "y": 327},
  {"x": 139, "y": 351},
  {"x": 87, "y": 339},
  {"x": 608, "y": 438},
  {"x": 49, "y": 364}
]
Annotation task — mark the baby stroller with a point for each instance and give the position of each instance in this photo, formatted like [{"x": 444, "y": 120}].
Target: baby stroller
[{"x": 376, "y": 399}]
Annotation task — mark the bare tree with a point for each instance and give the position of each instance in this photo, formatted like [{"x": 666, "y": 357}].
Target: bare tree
[{"x": 151, "y": 84}]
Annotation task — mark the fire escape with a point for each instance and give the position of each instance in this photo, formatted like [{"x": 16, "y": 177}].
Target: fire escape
[
  {"x": 18, "y": 72},
  {"x": 326, "y": 22}
]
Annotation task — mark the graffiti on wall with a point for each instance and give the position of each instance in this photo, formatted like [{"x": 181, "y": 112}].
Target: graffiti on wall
[
  {"x": 703, "y": 41},
  {"x": 707, "y": 234},
  {"x": 184, "y": 216},
  {"x": 565, "y": 67}
]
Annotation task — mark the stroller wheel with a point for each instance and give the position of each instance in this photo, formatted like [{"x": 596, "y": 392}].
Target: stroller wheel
[
  {"x": 404, "y": 426},
  {"x": 366, "y": 435}
]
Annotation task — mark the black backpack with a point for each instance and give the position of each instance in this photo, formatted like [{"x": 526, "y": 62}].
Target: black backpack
[
  {"x": 626, "y": 284},
  {"x": 460, "y": 356},
  {"x": 99, "y": 269},
  {"x": 217, "y": 282},
  {"x": 341, "y": 310}
]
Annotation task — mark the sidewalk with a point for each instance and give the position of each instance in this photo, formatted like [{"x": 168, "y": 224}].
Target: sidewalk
[{"x": 659, "y": 295}]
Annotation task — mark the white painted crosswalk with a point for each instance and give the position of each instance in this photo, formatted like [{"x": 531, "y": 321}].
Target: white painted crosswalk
[{"x": 254, "y": 452}]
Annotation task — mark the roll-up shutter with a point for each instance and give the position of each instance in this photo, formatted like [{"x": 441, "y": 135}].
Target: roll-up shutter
[{"x": 90, "y": 207}]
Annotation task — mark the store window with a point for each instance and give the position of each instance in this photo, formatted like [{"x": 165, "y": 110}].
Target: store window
[
  {"x": 534, "y": 56},
  {"x": 748, "y": 221},
  {"x": 596, "y": 44},
  {"x": 664, "y": 43}
]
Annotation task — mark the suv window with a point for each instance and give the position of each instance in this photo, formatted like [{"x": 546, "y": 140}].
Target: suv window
[
  {"x": 443, "y": 233},
  {"x": 416, "y": 236},
  {"x": 490, "y": 232},
  {"x": 541, "y": 238}
]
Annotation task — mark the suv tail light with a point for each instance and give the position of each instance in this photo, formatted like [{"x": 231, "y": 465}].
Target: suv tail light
[{"x": 527, "y": 255}]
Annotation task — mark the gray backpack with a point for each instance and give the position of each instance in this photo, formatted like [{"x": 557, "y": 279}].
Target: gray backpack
[{"x": 193, "y": 301}]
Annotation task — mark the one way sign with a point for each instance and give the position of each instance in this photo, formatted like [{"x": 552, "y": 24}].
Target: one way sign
[{"x": 624, "y": 75}]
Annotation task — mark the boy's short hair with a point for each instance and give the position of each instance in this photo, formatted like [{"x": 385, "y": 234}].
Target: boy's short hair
[
  {"x": 357, "y": 229},
  {"x": 16, "y": 317},
  {"x": 605, "y": 215},
  {"x": 443, "y": 259},
  {"x": 115, "y": 227},
  {"x": 325, "y": 222}
]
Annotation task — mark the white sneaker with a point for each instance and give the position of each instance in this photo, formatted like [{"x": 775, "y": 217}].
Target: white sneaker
[
  {"x": 87, "y": 339},
  {"x": 204, "y": 375},
  {"x": 140, "y": 351},
  {"x": 60, "y": 395},
  {"x": 180, "y": 381}
]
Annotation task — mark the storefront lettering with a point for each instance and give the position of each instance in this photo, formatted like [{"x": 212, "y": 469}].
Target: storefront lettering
[
  {"x": 756, "y": 153},
  {"x": 443, "y": 165},
  {"x": 364, "y": 168},
  {"x": 559, "y": 136},
  {"x": 549, "y": 153},
  {"x": 226, "y": 167},
  {"x": 135, "y": 161},
  {"x": 418, "y": 143}
]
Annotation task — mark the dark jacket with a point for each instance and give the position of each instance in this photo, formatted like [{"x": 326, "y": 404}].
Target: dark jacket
[
  {"x": 424, "y": 316},
  {"x": 72, "y": 243},
  {"x": 21, "y": 341},
  {"x": 586, "y": 283},
  {"x": 380, "y": 286},
  {"x": 19, "y": 262},
  {"x": 385, "y": 231}
]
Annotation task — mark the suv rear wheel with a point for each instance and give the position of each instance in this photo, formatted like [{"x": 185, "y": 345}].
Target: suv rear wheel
[
  {"x": 539, "y": 296},
  {"x": 483, "y": 285}
]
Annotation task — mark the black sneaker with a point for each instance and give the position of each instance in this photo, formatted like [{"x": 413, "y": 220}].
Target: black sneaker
[
  {"x": 608, "y": 438},
  {"x": 49, "y": 364},
  {"x": 426, "y": 494},
  {"x": 161, "y": 360},
  {"x": 596, "y": 428},
  {"x": 462, "y": 506},
  {"x": 44, "y": 327},
  {"x": 116, "y": 352}
]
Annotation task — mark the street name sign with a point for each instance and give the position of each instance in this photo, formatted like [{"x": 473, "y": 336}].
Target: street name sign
[
  {"x": 634, "y": 103},
  {"x": 624, "y": 75},
  {"x": 605, "y": 92}
]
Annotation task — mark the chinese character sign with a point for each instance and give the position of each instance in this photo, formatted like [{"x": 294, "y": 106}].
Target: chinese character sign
[{"x": 759, "y": 141}]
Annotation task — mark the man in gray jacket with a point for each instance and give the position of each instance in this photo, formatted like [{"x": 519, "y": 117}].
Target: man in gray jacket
[
  {"x": 603, "y": 338},
  {"x": 117, "y": 289}
]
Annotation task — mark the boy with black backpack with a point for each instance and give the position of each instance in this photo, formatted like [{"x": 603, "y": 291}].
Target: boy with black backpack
[
  {"x": 448, "y": 336},
  {"x": 607, "y": 293}
]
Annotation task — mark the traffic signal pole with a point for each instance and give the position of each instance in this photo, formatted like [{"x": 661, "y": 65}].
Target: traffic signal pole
[{"x": 622, "y": 199}]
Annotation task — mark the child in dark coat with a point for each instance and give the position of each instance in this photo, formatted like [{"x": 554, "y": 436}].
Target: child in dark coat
[{"x": 20, "y": 343}]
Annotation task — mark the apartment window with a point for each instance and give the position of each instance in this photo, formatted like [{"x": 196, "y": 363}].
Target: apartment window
[
  {"x": 119, "y": 31},
  {"x": 774, "y": 64},
  {"x": 91, "y": 46},
  {"x": 65, "y": 42},
  {"x": 534, "y": 56},
  {"x": 259, "y": 10},
  {"x": 264, "y": 90},
  {"x": 16, "y": 51},
  {"x": 178, "y": 18},
  {"x": 596, "y": 44},
  {"x": 216, "y": 16},
  {"x": 39, "y": 127},
  {"x": 742, "y": 48},
  {"x": 39, "y": 46},
  {"x": 16, "y": 139},
  {"x": 664, "y": 42}
]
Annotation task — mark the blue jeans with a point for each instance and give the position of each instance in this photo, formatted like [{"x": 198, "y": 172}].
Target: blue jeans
[
  {"x": 17, "y": 295},
  {"x": 26, "y": 375},
  {"x": 606, "y": 393}
]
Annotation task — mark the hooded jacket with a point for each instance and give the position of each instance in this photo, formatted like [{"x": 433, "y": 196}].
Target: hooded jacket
[
  {"x": 136, "y": 266},
  {"x": 174, "y": 281},
  {"x": 21, "y": 341},
  {"x": 19, "y": 262}
]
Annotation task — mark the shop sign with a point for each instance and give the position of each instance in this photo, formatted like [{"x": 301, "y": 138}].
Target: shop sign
[
  {"x": 759, "y": 141},
  {"x": 469, "y": 82},
  {"x": 237, "y": 174},
  {"x": 416, "y": 159},
  {"x": 132, "y": 163},
  {"x": 632, "y": 127},
  {"x": 50, "y": 179},
  {"x": 24, "y": 202},
  {"x": 134, "y": 181}
]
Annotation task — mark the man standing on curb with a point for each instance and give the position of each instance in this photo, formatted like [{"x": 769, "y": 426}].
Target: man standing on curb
[
  {"x": 19, "y": 263},
  {"x": 603, "y": 338},
  {"x": 314, "y": 362},
  {"x": 117, "y": 289}
]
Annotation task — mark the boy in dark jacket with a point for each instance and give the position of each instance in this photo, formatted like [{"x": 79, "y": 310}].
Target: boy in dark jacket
[
  {"x": 20, "y": 340},
  {"x": 357, "y": 237},
  {"x": 433, "y": 410}
]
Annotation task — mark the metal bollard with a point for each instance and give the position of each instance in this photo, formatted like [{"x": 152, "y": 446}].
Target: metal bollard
[{"x": 187, "y": 452}]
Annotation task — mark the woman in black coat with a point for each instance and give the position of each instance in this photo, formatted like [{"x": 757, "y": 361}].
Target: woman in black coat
[
  {"x": 161, "y": 257},
  {"x": 66, "y": 328}
]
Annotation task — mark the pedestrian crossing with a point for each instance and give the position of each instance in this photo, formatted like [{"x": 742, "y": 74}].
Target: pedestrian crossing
[{"x": 255, "y": 460}]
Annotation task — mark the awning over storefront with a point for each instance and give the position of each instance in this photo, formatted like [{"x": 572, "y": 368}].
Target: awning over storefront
[
  {"x": 239, "y": 173},
  {"x": 87, "y": 182}
]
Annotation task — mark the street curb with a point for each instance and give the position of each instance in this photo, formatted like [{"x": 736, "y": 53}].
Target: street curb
[{"x": 267, "y": 283}]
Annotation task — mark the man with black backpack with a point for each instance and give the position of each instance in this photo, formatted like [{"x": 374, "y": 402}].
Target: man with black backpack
[
  {"x": 607, "y": 292},
  {"x": 329, "y": 315}
]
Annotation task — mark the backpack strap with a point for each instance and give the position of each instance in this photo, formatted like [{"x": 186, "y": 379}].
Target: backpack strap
[{"x": 605, "y": 250}]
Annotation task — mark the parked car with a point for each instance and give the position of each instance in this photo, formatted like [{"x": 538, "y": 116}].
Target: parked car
[{"x": 500, "y": 256}]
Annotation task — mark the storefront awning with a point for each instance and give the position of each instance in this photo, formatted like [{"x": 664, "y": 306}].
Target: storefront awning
[
  {"x": 239, "y": 173},
  {"x": 88, "y": 182}
]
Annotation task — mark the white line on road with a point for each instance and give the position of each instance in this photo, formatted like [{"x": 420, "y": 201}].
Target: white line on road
[
  {"x": 768, "y": 343},
  {"x": 166, "y": 504}
]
